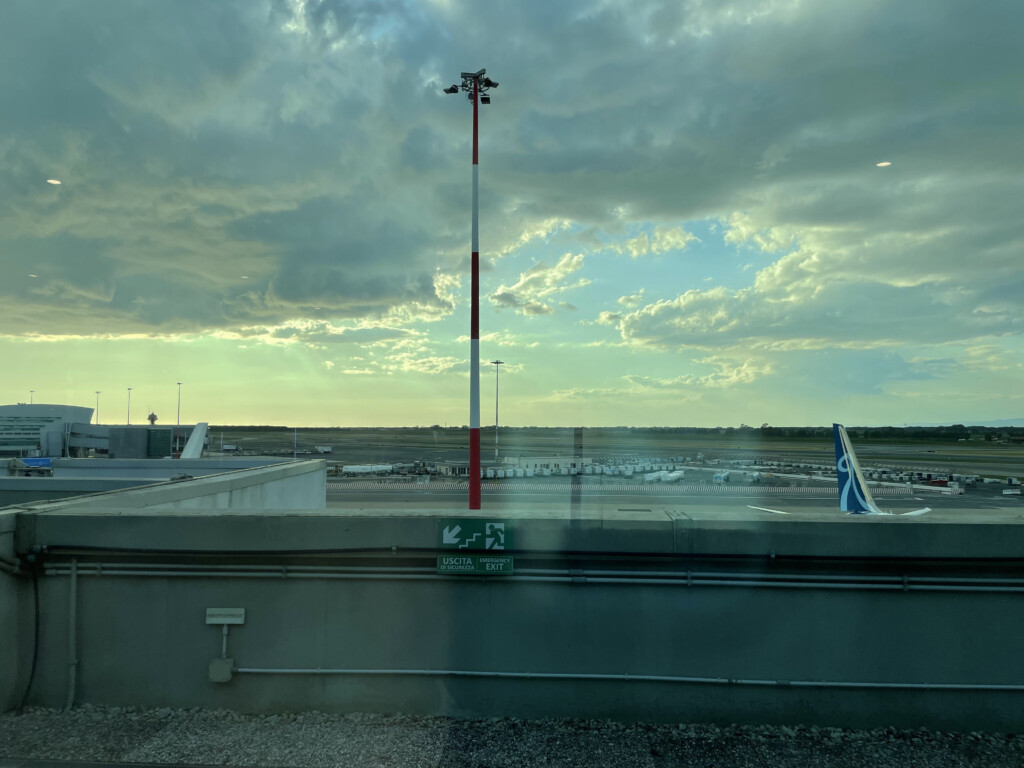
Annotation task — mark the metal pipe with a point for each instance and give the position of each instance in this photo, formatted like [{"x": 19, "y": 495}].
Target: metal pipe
[
  {"x": 275, "y": 569},
  {"x": 895, "y": 584},
  {"x": 72, "y": 635},
  {"x": 724, "y": 575},
  {"x": 638, "y": 678}
]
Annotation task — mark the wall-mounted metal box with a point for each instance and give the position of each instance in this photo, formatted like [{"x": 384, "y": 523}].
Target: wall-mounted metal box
[{"x": 225, "y": 615}]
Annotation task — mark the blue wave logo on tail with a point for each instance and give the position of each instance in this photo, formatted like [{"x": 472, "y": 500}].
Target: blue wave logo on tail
[{"x": 854, "y": 496}]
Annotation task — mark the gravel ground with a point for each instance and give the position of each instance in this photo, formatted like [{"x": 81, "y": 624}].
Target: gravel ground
[{"x": 205, "y": 737}]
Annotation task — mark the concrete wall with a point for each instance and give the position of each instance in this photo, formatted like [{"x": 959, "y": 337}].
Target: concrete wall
[
  {"x": 14, "y": 597},
  {"x": 156, "y": 469},
  {"x": 143, "y": 641},
  {"x": 750, "y": 601},
  {"x": 289, "y": 485},
  {"x": 77, "y": 477},
  {"x": 27, "y": 490}
]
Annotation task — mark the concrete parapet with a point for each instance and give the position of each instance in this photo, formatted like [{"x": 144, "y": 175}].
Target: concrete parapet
[
  {"x": 715, "y": 615},
  {"x": 193, "y": 523}
]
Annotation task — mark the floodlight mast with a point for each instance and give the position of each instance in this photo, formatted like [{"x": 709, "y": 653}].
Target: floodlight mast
[
  {"x": 496, "y": 363},
  {"x": 475, "y": 84}
]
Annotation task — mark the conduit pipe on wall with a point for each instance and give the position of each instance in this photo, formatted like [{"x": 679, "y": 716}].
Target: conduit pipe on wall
[
  {"x": 72, "y": 635},
  {"x": 637, "y": 678},
  {"x": 642, "y": 578}
]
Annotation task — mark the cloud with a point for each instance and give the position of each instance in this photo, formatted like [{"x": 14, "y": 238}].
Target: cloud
[
  {"x": 662, "y": 240},
  {"x": 632, "y": 300},
  {"x": 256, "y": 166},
  {"x": 728, "y": 373},
  {"x": 770, "y": 239},
  {"x": 432, "y": 365},
  {"x": 851, "y": 283},
  {"x": 502, "y": 339},
  {"x": 531, "y": 293}
]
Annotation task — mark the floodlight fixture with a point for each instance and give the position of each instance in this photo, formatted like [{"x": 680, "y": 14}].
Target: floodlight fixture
[{"x": 475, "y": 85}]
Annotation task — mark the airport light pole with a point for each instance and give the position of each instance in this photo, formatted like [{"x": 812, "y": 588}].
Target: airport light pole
[
  {"x": 177, "y": 432},
  {"x": 129, "y": 405},
  {"x": 97, "y": 407},
  {"x": 496, "y": 364},
  {"x": 475, "y": 85},
  {"x": 31, "y": 397}
]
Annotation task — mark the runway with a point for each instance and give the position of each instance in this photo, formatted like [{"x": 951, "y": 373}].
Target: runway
[{"x": 741, "y": 499}]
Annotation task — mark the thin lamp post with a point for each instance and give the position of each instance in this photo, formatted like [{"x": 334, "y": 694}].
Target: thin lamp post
[
  {"x": 496, "y": 364},
  {"x": 129, "y": 405},
  {"x": 31, "y": 397},
  {"x": 177, "y": 432},
  {"x": 97, "y": 407},
  {"x": 475, "y": 85}
]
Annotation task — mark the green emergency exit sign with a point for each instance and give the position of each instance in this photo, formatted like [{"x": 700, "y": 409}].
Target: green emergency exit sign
[
  {"x": 472, "y": 534},
  {"x": 461, "y": 539},
  {"x": 485, "y": 565}
]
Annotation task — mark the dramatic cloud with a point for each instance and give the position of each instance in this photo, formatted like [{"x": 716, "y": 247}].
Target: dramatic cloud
[
  {"x": 728, "y": 373},
  {"x": 287, "y": 175},
  {"x": 537, "y": 284},
  {"x": 663, "y": 240}
]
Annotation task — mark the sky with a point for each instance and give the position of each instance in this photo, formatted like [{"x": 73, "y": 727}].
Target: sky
[{"x": 683, "y": 216}]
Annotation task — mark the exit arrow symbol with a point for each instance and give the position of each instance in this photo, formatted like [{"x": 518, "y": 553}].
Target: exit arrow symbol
[{"x": 451, "y": 536}]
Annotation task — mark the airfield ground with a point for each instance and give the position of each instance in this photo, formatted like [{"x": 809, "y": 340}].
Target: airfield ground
[{"x": 432, "y": 445}]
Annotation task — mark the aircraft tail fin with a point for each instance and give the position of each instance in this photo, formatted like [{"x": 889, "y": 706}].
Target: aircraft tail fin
[
  {"x": 854, "y": 496},
  {"x": 194, "y": 447}
]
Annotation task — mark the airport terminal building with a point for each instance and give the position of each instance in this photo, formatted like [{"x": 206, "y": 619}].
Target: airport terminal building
[{"x": 28, "y": 429}]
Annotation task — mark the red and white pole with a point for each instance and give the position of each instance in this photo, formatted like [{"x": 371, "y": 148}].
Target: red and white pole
[{"x": 474, "y": 328}]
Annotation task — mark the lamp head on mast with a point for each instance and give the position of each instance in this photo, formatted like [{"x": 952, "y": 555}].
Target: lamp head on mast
[{"x": 474, "y": 82}]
